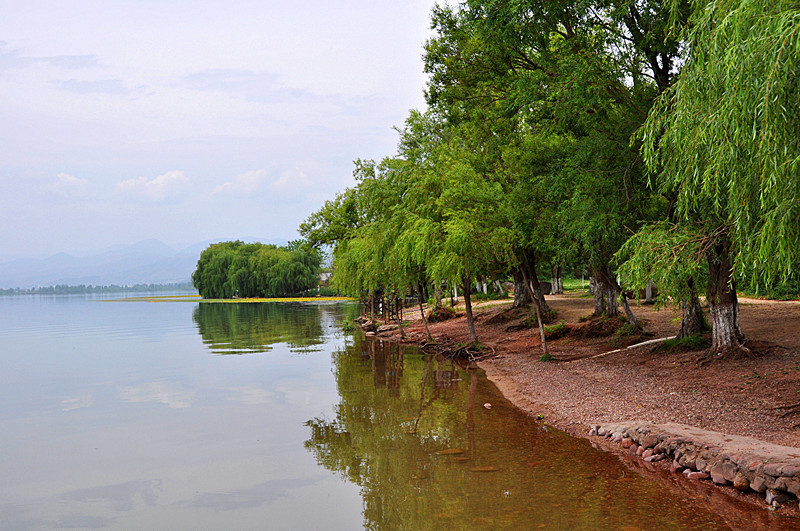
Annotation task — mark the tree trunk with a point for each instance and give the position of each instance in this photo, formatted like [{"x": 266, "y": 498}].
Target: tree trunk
[
  {"x": 599, "y": 295},
  {"x": 437, "y": 294},
  {"x": 522, "y": 295},
  {"x": 613, "y": 288},
  {"x": 537, "y": 305},
  {"x": 726, "y": 331},
  {"x": 422, "y": 312},
  {"x": 473, "y": 337},
  {"x": 648, "y": 292},
  {"x": 555, "y": 280},
  {"x": 529, "y": 274},
  {"x": 692, "y": 320},
  {"x": 612, "y": 309}
]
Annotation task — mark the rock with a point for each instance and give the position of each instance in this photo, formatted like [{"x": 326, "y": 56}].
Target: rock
[
  {"x": 723, "y": 472},
  {"x": 640, "y": 450},
  {"x": 758, "y": 484},
  {"x": 740, "y": 482},
  {"x": 793, "y": 486},
  {"x": 647, "y": 453},
  {"x": 790, "y": 470},
  {"x": 687, "y": 461},
  {"x": 650, "y": 440},
  {"x": 387, "y": 328},
  {"x": 697, "y": 475},
  {"x": 634, "y": 450},
  {"x": 654, "y": 458},
  {"x": 627, "y": 443},
  {"x": 719, "y": 480},
  {"x": 592, "y": 432},
  {"x": 676, "y": 467},
  {"x": 775, "y": 496},
  {"x": 773, "y": 469}
]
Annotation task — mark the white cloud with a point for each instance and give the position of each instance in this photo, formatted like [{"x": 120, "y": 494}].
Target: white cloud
[
  {"x": 245, "y": 183},
  {"x": 76, "y": 402},
  {"x": 290, "y": 181},
  {"x": 158, "y": 392},
  {"x": 168, "y": 186},
  {"x": 65, "y": 182}
]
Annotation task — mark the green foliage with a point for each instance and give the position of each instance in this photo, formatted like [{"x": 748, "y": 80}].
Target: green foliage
[
  {"x": 236, "y": 269},
  {"x": 780, "y": 290},
  {"x": 545, "y": 357},
  {"x": 491, "y": 296},
  {"x": 671, "y": 256},
  {"x": 725, "y": 138},
  {"x": 556, "y": 331}
]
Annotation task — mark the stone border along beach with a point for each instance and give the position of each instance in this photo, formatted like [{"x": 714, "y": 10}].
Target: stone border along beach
[{"x": 623, "y": 405}]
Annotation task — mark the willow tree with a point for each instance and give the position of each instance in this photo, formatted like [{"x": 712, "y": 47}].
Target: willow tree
[
  {"x": 580, "y": 71},
  {"x": 725, "y": 140}
]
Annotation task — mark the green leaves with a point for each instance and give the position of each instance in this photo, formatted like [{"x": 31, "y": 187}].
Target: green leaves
[
  {"x": 726, "y": 137},
  {"x": 230, "y": 269}
]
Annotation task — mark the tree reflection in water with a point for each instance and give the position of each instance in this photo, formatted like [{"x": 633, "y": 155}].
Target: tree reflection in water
[
  {"x": 240, "y": 328},
  {"x": 412, "y": 432}
]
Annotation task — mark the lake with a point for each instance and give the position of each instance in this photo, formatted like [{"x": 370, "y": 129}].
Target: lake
[{"x": 188, "y": 415}]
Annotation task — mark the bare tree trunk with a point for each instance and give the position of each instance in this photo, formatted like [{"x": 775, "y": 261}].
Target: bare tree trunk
[
  {"x": 529, "y": 273},
  {"x": 473, "y": 337},
  {"x": 437, "y": 294},
  {"x": 522, "y": 295},
  {"x": 422, "y": 312},
  {"x": 692, "y": 320},
  {"x": 726, "y": 330},
  {"x": 537, "y": 305},
  {"x": 599, "y": 295},
  {"x": 614, "y": 288},
  {"x": 555, "y": 280}
]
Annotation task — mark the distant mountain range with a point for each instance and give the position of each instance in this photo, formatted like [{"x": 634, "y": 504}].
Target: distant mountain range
[{"x": 145, "y": 262}]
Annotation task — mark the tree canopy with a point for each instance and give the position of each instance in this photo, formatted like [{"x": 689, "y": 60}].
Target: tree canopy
[
  {"x": 237, "y": 269},
  {"x": 645, "y": 140}
]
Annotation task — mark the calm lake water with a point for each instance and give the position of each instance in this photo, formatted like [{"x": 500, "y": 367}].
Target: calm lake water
[{"x": 185, "y": 415}]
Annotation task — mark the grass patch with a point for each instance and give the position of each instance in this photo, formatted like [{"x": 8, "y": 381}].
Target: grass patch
[
  {"x": 574, "y": 284},
  {"x": 626, "y": 330},
  {"x": 686, "y": 344},
  {"x": 556, "y": 331},
  {"x": 546, "y": 357}
]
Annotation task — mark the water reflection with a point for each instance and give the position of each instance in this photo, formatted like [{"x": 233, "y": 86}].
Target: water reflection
[
  {"x": 242, "y": 328},
  {"x": 413, "y": 433}
]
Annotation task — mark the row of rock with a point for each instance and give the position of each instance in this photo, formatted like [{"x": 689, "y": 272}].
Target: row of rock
[{"x": 740, "y": 462}]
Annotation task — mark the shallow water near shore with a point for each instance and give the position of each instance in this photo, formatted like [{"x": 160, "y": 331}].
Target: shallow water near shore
[{"x": 251, "y": 416}]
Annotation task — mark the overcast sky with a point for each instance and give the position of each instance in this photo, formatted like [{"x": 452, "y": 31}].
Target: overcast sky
[{"x": 186, "y": 121}]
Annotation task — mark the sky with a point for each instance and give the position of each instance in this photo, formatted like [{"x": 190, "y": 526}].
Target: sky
[{"x": 191, "y": 121}]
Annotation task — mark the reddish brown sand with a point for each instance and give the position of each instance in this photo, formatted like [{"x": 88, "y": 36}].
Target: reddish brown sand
[{"x": 757, "y": 396}]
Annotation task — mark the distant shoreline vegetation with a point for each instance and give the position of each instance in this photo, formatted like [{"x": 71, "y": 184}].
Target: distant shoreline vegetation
[
  {"x": 234, "y": 270},
  {"x": 63, "y": 289}
]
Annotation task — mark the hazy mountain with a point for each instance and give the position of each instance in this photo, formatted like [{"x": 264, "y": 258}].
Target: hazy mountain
[{"x": 145, "y": 262}]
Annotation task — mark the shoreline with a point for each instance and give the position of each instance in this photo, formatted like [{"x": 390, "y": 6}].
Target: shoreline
[{"x": 740, "y": 441}]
